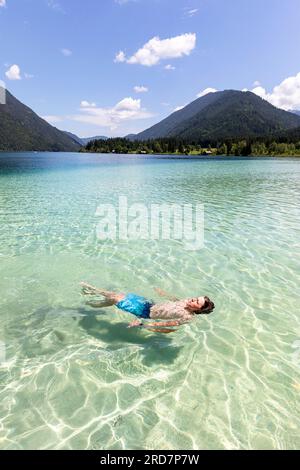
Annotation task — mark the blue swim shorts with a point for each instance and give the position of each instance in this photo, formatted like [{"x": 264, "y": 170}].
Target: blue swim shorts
[{"x": 135, "y": 304}]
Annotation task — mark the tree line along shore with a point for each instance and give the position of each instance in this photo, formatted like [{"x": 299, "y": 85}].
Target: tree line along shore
[{"x": 173, "y": 146}]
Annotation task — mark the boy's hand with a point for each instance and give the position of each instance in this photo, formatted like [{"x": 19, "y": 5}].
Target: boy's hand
[{"x": 134, "y": 324}]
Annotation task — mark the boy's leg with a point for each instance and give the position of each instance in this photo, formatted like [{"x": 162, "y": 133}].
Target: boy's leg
[{"x": 109, "y": 295}]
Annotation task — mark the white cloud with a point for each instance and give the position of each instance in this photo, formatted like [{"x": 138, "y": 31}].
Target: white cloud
[
  {"x": 286, "y": 95},
  {"x": 128, "y": 104},
  {"x": 122, "y": 2},
  {"x": 13, "y": 73},
  {"x": 125, "y": 110},
  {"x": 113, "y": 118},
  {"x": 28, "y": 75},
  {"x": 158, "y": 49},
  {"x": 260, "y": 91},
  {"x": 141, "y": 89},
  {"x": 178, "y": 108},
  {"x": 66, "y": 52},
  {"x": 206, "y": 91},
  {"x": 53, "y": 119},
  {"x": 192, "y": 12},
  {"x": 87, "y": 104},
  {"x": 256, "y": 83},
  {"x": 169, "y": 67},
  {"x": 120, "y": 57},
  {"x": 2, "y": 3},
  {"x": 56, "y": 6}
]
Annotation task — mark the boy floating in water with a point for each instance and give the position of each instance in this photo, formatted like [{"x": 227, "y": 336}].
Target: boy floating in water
[{"x": 174, "y": 313}]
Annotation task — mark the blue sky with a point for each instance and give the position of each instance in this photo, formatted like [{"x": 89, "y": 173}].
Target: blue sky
[{"x": 62, "y": 57}]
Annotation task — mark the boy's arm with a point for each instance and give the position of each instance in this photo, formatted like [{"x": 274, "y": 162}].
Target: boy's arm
[
  {"x": 164, "y": 323},
  {"x": 152, "y": 327},
  {"x": 157, "y": 324},
  {"x": 180, "y": 321}
]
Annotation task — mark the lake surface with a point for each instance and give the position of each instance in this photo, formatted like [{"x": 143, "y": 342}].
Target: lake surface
[{"x": 73, "y": 378}]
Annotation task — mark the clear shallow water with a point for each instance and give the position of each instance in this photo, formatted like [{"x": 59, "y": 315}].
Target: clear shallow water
[{"x": 73, "y": 379}]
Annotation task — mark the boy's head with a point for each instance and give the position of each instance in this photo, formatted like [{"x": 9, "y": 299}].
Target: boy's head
[{"x": 200, "y": 305}]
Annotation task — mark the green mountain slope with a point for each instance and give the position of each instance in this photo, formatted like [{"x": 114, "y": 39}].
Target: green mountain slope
[
  {"x": 223, "y": 115},
  {"x": 23, "y": 130},
  {"x": 290, "y": 135},
  {"x": 74, "y": 137}
]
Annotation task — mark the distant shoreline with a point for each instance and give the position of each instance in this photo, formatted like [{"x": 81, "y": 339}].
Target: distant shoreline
[
  {"x": 175, "y": 146},
  {"x": 190, "y": 156},
  {"x": 174, "y": 155}
]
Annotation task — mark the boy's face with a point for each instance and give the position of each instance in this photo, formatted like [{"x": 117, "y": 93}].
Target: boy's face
[{"x": 196, "y": 303}]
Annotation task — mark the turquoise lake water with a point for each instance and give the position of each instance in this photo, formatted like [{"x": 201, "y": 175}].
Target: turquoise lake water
[{"x": 73, "y": 378}]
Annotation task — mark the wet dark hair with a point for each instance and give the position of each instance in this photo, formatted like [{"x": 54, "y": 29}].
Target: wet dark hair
[{"x": 207, "y": 308}]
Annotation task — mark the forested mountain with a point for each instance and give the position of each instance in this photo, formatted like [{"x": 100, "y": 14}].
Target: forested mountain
[
  {"x": 223, "y": 115},
  {"x": 75, "y": 137},
  {"x": 23, "y": 130}
]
